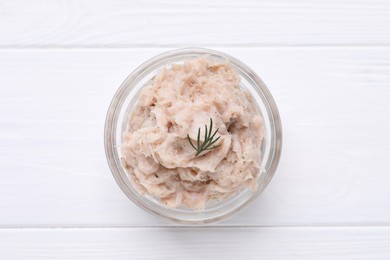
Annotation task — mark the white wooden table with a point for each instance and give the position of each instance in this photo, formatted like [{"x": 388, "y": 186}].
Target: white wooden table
[{"x": 327, "y": 64}]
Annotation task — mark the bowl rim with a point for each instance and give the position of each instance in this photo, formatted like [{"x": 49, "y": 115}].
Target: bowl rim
[{"x": 111, "y": 120}]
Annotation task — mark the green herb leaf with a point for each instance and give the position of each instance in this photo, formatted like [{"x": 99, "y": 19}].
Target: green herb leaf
[{"x": 208, "y": 139}]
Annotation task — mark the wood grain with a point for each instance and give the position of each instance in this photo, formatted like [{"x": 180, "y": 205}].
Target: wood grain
[
  {"x": 327, "y": 63},
  {"x": 199, "y": 243},
  {"x": 334, "y": 107},
  {"x": 157, "y": 23}
]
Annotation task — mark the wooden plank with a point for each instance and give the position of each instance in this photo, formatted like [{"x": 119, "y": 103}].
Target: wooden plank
[
  {"x": 334, "y": 107},
  {"x": 197, "y": 243},
  {"x": 121, "y": 23}
]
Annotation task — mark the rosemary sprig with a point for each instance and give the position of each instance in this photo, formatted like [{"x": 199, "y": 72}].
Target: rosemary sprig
[{"x": 208, "y": 139}]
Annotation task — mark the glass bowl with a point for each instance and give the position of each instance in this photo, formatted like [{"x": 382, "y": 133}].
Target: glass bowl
[{"x": 125, "y": 99}]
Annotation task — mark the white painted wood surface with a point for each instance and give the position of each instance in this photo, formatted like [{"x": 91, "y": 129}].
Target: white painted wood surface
[
  {"x": 326, "y": 63},
  {"x": 333, "y": 106},
  {"x": 122, "y": 23},
  {"x": 197, "y": 243}
]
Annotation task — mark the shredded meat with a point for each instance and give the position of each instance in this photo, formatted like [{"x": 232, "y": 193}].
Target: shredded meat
[{"x": 157, "y": 154}]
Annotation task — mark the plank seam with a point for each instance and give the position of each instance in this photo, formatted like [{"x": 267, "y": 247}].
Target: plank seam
[
  {"x": 206, "y": 45},
  {"x": 196, "y": 227}
]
